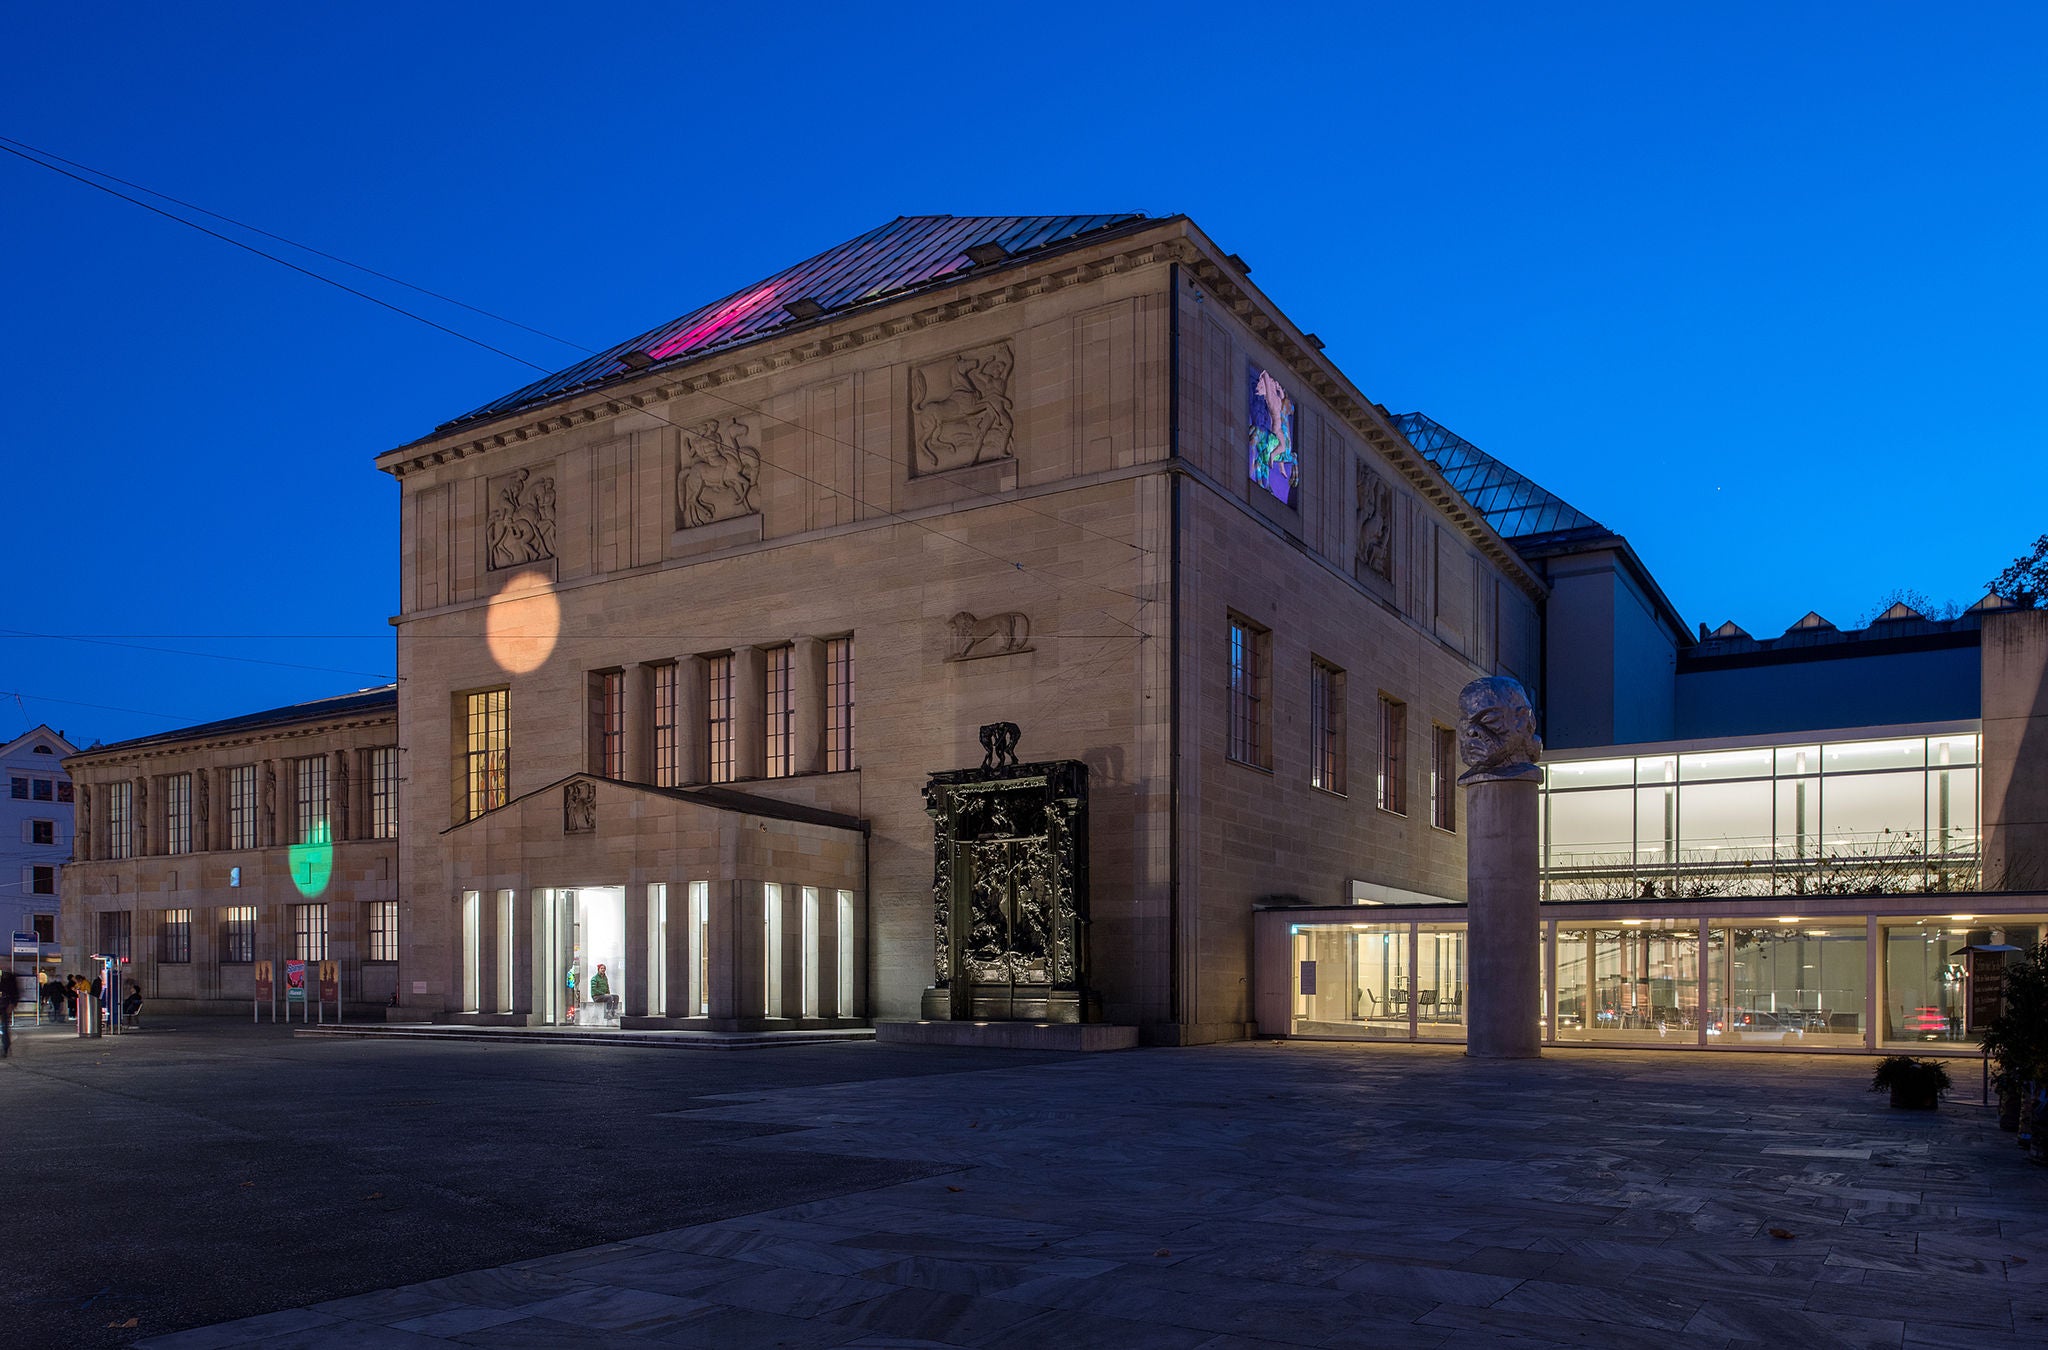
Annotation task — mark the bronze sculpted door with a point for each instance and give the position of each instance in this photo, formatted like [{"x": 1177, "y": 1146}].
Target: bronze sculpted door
[{"x": 1009, "y": 892}]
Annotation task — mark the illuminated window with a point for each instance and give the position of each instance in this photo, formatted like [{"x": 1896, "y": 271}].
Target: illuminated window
[
  {"x": 718, "y": 715},
  {"x": 487, "y": 756},
  {"x": 238, "y": 935},
  {"x": 668, "y": 767},
  {"x": 309, "y": 932},
  {"x": 608, "y": 723},
  {"x": 1391, "y": 791},
  {"x": 771, "y": 950},
  {"x": 382, "y": 927},
  {"x": 384, "y": 792},
  {"x": 779, "y": 705},
  {"x": 1443, "y": 778},
  {"x": 174, "y": 937},
  {"x": 700, "y": 937},
  {"x": 42, "y": 831},
  {"x": 309, "y": 782},
  {"x": 178, "y": 813},
  {"x": 242, "y": 806},
  {"x": 1274, "y": 464},
  {"x": 842, "y": 939},
  {"x": 1326, "y": 726},
  {"x": 120, "y": 820},
  {"x": 838, "y": 704},
  {"x": 1249, "y": 648}
]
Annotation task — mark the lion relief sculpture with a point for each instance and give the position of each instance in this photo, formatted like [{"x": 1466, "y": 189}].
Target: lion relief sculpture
[{"x": 996, "y": 635}]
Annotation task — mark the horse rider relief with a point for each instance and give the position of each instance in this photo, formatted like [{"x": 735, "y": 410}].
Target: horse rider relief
[{"x": 718, "y": 475}]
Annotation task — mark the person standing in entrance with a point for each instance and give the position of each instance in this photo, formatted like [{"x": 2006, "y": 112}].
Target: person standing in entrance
[{"x": 10, "y": 996}]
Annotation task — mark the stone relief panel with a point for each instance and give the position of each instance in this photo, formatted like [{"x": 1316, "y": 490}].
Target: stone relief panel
[
  {"x": 579, "y": 807},
  {"x": 718, "y": 474},
  {"x": 997, "y": 635},
  {"x": 960, "y": 409},
  {"x": 521, "y": 525},
  {"x": 1375, "y": 525}
]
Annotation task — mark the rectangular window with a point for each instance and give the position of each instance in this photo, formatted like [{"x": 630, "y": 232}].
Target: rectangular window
[
  {"x": 309, "y": 932},
  {"x": 45, "y": 927},
  {"x": 718, "y": 715},
  {"x": 43, "y": 789},
  {"x": 771, "y": 949},
  {"x": 1392, "y": 788},
  {"x": 19, "y": 788},
  {"x": 809, "y": 1004},
  {"x": 178, "y": 813},
  {"x": 384, "y": 792},
  {"x": 838, "y": 704},
  {"x": 1443, "y": 778},
  {"x": 668, "y": 766},
  {"x": 64, "y": 790},
  {"x": 657, "y": 949},
  {"x": 238, "y": 935},
  {"x": 487, "y": 755},
  {"x": 1249, "y": 739},
  {"x": 174, "y": 937},
  {"x": 309, "y": 782},
  {"x": 1326, "y": 726},
  {"x": 242, "y": 806},
  {"x": 779, "y": 705},
  {"x": 382, "y": 927},
  {"x": 700, "y": 939},
  {"x": 120, "y": 820},
  {"x": 42, "y": 831},
  {"x": 608, "y": 724},
  {"x": 42, "y": 881},
  {"x": 842, "y": 942},
  {"x": 116, "y": 934}
]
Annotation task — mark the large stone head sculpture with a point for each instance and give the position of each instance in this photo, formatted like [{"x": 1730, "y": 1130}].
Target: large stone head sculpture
[{"x": 1497, "y": 731}]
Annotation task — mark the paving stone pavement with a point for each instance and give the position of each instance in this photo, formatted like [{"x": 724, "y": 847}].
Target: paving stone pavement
[{"x": 1307, "y": 1194}]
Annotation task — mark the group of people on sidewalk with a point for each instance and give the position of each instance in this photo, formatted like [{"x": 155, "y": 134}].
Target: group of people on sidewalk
[{"x": 62, "y": 995}]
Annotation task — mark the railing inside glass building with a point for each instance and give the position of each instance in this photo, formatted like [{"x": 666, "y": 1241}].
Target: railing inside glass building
[{"x": 1890, "y": 816}]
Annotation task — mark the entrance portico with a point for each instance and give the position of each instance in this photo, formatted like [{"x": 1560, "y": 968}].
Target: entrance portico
[{"x": 706, "y": 908}]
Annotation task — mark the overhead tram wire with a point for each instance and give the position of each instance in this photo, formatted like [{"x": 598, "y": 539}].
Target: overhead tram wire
[
  {"x": 205, "y": 656},
  {"x": 304, "y": 248},
  {"x": 8, "y": 145}
]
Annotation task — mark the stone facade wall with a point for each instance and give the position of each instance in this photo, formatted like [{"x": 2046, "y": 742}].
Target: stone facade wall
[
  {"x": 213, "y": 876},
  {"x": 2015, "y": 786}
]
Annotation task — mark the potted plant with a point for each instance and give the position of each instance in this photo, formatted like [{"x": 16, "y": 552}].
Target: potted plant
[{"x": 1915, "y": 1084}]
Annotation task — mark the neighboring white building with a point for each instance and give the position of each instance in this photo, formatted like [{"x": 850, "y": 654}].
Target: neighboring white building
[{"x": 35, "y": 830}]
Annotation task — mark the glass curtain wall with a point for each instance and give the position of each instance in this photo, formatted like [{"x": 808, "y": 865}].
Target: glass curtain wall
[
  {"x": 1628, "y": 982},
  {"x": 1851, "y": 817},
  {"x": 1789, "y": 983}
]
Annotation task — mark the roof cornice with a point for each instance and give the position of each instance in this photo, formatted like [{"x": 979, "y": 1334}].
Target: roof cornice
[
  {"x": 156, "y": 748},
  {"x": 1084, "y": 260}
]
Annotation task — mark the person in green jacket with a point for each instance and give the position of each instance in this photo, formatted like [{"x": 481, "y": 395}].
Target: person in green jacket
[{"x": 602, "y": 995}]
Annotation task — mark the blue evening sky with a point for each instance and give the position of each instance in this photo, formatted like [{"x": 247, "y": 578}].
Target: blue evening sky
[{"x": 1760, "y": 286}]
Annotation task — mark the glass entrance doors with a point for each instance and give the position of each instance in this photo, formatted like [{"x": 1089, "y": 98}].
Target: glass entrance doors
[{"x": 580, "y": 946}]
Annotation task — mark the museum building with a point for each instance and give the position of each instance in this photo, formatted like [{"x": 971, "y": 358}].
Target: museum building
[
  {"x": 1020, "y": 620},
  {"x": 268, "y": 837},
  {"x": 693, "y": 633}
]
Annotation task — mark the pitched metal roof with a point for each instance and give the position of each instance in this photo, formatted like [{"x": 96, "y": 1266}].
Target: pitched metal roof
[
  {"x": 907, "y": 253},
  {"x": 1515, "y": 505},
  {"x": 384, "y": 698}
]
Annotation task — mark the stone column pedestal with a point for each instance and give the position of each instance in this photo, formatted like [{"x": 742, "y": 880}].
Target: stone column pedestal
[{"x": 1504, "y": 984}]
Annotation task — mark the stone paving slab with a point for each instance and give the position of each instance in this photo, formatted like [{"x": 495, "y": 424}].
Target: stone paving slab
[{"x": 1311, "y": 1195}]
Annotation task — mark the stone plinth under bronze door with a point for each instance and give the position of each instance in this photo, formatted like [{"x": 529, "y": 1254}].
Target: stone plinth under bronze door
[{"x": 1010, "y": 894}]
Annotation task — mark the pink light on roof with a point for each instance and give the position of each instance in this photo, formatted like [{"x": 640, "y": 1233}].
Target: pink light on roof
[{"x": 728, "y": 315}]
